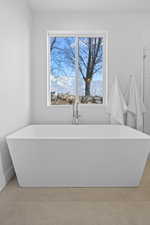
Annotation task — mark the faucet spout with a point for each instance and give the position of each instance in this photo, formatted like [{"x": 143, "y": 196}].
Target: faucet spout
[{"x": 75, "y": 114}]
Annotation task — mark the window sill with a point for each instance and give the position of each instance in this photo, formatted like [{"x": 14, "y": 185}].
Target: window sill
[{"x": 83, "y": 106}]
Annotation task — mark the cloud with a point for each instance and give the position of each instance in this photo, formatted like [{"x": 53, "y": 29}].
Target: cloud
[{"x": 66, "y": 84}]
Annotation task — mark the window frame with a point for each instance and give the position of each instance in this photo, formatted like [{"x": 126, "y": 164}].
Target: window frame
[{"x": 76, "y": 34}]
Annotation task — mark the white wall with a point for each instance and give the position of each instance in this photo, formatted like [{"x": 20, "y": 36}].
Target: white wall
[
  {"x": 15, "y": 22},
  {"x": 126, "y": 40},
  {"x": 128, "y": 34}
]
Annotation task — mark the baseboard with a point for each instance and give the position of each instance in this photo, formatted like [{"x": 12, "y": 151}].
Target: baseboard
[{"x": 8, "y": 174}]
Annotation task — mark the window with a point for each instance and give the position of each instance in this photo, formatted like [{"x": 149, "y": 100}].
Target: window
[{"x": 76, "y": 69}]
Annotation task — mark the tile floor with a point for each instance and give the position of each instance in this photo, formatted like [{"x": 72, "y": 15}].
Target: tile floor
[{"x": 76, "y": 206}]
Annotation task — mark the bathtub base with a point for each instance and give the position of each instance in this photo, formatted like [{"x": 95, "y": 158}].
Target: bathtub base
[{"x": 78, "y": 163}]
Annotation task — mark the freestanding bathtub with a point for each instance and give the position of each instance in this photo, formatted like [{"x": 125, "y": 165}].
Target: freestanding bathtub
[{"x": 78, "y": 155}]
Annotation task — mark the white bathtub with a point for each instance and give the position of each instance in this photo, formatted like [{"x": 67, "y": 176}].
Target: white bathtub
[{"x": 78, "y": 155}]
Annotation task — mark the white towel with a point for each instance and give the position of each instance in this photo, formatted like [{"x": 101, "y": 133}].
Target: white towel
[
  {"x": 116, "y": 104},
  {"x": 135, "y": 105}
]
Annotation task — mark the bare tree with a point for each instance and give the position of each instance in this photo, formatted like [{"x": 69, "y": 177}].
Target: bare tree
[
  {"x": 90, "y": 62},
  {"x": 90, "y": 58},
  {"x": 52, "y": 43}
]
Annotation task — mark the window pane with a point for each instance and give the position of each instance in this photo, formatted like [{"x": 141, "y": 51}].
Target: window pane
[
  {"x": 91, "y": 69},
  {"x": 62, "y": 70}
]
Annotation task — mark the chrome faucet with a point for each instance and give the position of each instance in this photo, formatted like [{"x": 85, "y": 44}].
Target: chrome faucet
[{"x": 75, "y": 113}]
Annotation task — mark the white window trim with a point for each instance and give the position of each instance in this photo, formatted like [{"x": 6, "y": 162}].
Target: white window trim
[{"x": 75, "y": 34}]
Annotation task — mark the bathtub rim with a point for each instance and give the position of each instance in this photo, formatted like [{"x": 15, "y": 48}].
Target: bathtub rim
[{"x": 14, "y": 136}]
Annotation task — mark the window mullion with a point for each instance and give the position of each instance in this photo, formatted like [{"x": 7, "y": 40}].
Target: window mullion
[{"x": 77, "y": 67}]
